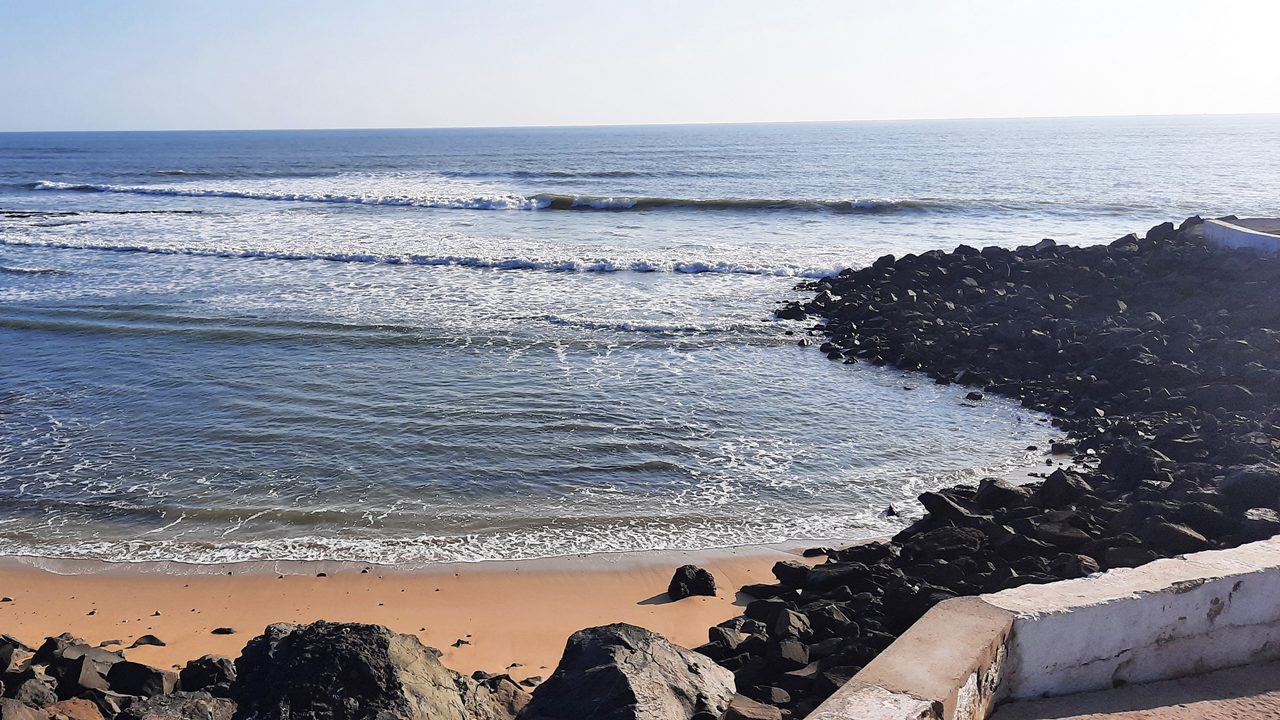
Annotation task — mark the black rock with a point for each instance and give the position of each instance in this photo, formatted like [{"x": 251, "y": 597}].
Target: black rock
[
  {"x": 622, "y": 672},
  {"x": 691, "y": 580},
  {"x": 131, "y": 678},
  {"x": 181, "y": 706},
  {"x": 791, "y": 573},
  {"x": 1259, "y": 523},
  {"x": 348, "y": 671},
  {"x": 206, "y": 672}
]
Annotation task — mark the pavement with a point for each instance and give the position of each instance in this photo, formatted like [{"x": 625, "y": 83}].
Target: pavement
[{"x": 1251, "y": 692}]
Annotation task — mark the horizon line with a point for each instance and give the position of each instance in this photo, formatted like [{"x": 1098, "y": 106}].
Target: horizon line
[{"x": 654, "y": 124}]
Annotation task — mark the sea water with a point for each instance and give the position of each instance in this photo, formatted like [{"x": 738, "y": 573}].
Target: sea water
[{"x": 435, "y": 345}]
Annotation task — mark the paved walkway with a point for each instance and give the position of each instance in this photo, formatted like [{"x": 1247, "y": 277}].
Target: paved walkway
[{"x": 1247, "y": 693}]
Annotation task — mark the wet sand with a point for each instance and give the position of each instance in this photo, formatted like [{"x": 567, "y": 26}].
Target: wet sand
[{"x": 508, "y": 612}]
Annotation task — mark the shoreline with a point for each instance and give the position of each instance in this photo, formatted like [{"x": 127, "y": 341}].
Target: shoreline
[{"x": 508, "y": 612}]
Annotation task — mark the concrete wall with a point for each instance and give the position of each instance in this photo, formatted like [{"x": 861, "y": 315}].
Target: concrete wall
[
  {"x": 1231, "y": 235},
  {"x": 1167, "y": 619}
]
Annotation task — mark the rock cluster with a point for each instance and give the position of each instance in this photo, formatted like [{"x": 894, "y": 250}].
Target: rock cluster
[
  {"x": 67, "y": 678},
  {"x": 320, "y": 671},
  {"x": 1159, "y": 360}
]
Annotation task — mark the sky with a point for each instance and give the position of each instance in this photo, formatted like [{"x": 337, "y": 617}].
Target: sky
[{"x": 233, "y": 64}]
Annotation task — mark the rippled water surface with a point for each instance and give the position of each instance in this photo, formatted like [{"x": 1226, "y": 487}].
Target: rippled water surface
[{"x": 455, "y": 345}]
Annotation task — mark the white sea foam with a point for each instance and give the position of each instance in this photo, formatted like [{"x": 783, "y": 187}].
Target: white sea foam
[{"x": 575, "y": 265}]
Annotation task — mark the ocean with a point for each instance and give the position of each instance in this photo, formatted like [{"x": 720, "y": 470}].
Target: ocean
[{"x": 416, "y": 346}]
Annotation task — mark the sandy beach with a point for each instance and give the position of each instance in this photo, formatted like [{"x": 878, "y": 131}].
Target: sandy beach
[{"x": 507, "y": 612}]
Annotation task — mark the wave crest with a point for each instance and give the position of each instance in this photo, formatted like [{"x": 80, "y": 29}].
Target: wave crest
[
  {"x": 501, "y": 201},
  {"x": 688, "y": 267}
]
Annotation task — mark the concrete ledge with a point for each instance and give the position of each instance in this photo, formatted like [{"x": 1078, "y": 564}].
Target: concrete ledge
[
  {"x": 1170, "y": 618},
  {"x": 1237, "y": 234}
]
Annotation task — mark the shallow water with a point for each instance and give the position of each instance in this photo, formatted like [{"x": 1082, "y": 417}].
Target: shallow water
[{"x": 409, "y": 346}]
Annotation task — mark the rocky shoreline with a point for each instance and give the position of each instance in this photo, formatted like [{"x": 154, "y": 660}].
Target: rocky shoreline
[{"x": 1157, "y": 358}]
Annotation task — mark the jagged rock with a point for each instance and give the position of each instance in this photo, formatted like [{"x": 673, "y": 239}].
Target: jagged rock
[
  {"x": 132, "y": 678},
  {"x": 691, "y": 580},
  {"x": 1174, "y": 539},
  {"x": 1062, "y": 488},
  {"x": 791, "y": 573},
  {"x": 994, "y": 493},
  {"x": 1253, "y": 486},
  {"x": 789, "y": 623},
  {"x": 181, "y": 706},
  {"x": 110, "y": 704},
  {"x": 74, "y": 709},
  {"x": 744, "y": 708},
  {"x": 1070, "y": 566},
  {"x": 206, "y": 672},
  {"x": 11, "y": 709},
  {"x": 35, "y": 692},
  {"x": 53, "y": 647},
  {"x": 348, "y": 671},
  {"x": 622, "y": 672},
  {"x": 1260, "y": 523}
]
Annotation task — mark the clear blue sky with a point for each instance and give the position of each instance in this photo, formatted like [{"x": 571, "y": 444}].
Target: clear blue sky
[{"x": 168, "y": 64}]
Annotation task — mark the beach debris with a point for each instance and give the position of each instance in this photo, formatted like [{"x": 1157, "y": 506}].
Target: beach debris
[
  {"x": 622, "y": 671},
  {"x": 347, "y": 665},
  {"x": 222, "y": 631},
  {"x": 691, "y": 580},
  {"x": 460, "y": 642}
]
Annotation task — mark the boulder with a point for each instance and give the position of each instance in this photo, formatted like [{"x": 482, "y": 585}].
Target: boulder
[
  {"x": 691, "y": 580},
  {"x": 791, "y": 573},
  {"x": 132, "y": 678},
  {"x": 744, "y": 708},
  {"x": 1172, "y": 538},
  {"x": 11, "y": 709},
  {"x": 36, "y": 692},
  {"x": 1062, "y": 488},
  {"x": 998, "y": 493},
  {"x": 349, "y": 671},
  {"x": 206, "y": 672},
  {"x": 74, "y": 709},
  {"x": 623, "y": 672},
  {"x": 53, "y": 647},
  {"x": 1259, "y": 523},
  {"x": 1252, "y": 486},
  {"x": 1070, "y": 566},
  {"x": 181, "y": 706}
]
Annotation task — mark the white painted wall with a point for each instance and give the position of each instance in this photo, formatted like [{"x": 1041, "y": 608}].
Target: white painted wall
[{"x": 1228, "y": 235}]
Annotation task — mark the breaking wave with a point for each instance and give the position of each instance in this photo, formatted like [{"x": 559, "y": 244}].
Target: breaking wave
[
  {"x": 509, "y": 201},
  {"x": 581, "y": 265}
]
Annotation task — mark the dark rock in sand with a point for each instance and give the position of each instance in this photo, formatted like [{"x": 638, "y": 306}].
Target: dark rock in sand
[
  {"x": 791, "y": 573},
  {"x": 181, "y": 706},
  {"x": 622, "y": 672},
  {"x": 148, "y": 640},
  {"x": 691, "y": 580},
  {"x": 348, "y": 671}
]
